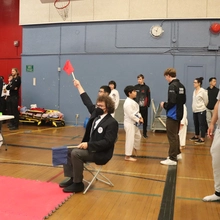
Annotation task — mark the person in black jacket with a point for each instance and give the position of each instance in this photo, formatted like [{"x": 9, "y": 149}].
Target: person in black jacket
[
  {"x": 174, "y": 112},
  {"x": 143, "y": 99},
  {"x": 12, "y": 101},
  {"x": 98, "y": 141},
  {"x": 97, "y": 144},
  {"x": 212, "y": 95},
  {"x": 2, "y": 101}
]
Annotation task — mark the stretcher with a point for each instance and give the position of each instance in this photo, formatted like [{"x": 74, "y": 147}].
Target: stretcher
[
  {"x": 158, "y": 121},
  {"x": 41, "y": 116}
]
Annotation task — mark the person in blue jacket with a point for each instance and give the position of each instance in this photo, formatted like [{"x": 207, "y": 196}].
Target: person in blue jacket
[{"x": 174, "y": 113}]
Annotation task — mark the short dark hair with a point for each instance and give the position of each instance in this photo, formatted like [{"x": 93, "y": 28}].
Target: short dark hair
[
  {"x": 109, "y": 103},
  {"x": 113, "y": 83},
  {"x": 129, "y": 89},
  {"x": 170, "y": 72},
  {"x": 106, "y": 89},
  {"x": 212, "y": 79},
  {"x": 140, "y": 76},
  {"x": 199, "y": 80}
]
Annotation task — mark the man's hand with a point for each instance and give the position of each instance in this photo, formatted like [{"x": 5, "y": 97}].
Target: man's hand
[
  {"x": 181, "y": 126},
  {"x": 162, "y": 104},
  {"x": 76, "y": 83},
  {"x": 83, "y": 145},
  {"x": 141, "y": 120}
]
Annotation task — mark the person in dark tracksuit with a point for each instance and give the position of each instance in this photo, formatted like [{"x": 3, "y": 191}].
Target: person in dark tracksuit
[
  {"x": 212, "y": 95},
  {"x": 143, "y": 99},
  {"x": 13, "y": 87},
  {"x": 174, "y": 112}
]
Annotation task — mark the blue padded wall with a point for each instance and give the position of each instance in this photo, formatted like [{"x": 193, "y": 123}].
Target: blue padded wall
[{"x": 118, "y": 51}]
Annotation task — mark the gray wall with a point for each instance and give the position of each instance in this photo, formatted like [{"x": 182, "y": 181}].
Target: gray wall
[{"x": 118, "y": 51}]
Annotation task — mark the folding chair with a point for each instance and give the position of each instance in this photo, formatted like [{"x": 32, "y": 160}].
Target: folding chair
[
  {"x": 95, "y": 172},
  {"x": 158, "y": 121}
]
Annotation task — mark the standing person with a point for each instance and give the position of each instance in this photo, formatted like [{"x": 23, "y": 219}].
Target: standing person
[
  {"x": 1, "y": 108},
  {"x": 97, "y": 145},
  {"x": 114, "y": 94},
  {"x": 183, "y": 128},
  {"x": 14, "y": 86},
  {"x": 199, "y": 103},
  {"x": 7, "y": 96},
  {"x": 174, "y": 112},
  {"x": 132, "y": 118},
  {"x": 215, "y": 151},
  {"x": 143, "y": 99},
  {"x": 212, "y": 94},
  {"x": 2, "y": 101}
]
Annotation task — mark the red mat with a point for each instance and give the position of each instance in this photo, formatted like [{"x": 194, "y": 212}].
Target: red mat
[{"x": 22, "y": 199}]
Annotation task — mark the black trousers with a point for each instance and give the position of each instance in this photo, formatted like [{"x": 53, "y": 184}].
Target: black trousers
[
  {"x": 3, "y": 107},
  {"x": 200, "y": 123},
  {"x": 144, "y": 114},
  {"x": 75, "y": 163},
  {"x": 173, "y": 127},
  {"x": 13, "y": 109}
]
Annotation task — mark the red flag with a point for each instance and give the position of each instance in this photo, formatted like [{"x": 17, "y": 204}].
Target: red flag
[{"x": 68, "y": 68}]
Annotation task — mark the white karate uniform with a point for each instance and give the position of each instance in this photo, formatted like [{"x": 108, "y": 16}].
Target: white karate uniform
[
  {"x": 115, "y": 97},
  {"x": 183, "y": 130},
  {"x": 131, "y": 119},
  {"x": 215, "y": 152},
  {"x": 4, "y": 91}
]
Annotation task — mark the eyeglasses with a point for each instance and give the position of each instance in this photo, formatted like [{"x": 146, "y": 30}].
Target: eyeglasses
[
  {"x": 195, "y": 82},
  {"x": 100, "y": 106}
]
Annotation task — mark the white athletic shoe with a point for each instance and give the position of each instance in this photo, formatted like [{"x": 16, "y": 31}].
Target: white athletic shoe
[
  {"x": 179, "y": 157},
  {"x": 168, "y": 162},
  {"x": 211, "y": 198}
]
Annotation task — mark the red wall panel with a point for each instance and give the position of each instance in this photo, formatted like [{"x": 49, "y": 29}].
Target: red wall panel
[{"x": 10, "y": 56}]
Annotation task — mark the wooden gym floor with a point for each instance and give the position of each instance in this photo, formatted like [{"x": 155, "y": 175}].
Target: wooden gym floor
[{"x": 142, "y": 190}]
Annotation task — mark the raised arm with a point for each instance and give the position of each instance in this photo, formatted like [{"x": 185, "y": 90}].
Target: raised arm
[
  {"x": 84, "y": 96},
  {"x": 78, "y": 85}
]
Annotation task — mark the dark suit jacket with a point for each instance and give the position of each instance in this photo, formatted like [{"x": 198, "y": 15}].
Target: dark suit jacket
[
  {"x": 87, "y": 102},
  {"x": 103, "y": 138}
]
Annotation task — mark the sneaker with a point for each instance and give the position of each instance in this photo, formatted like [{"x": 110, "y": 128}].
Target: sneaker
[
  {"x": 200, "y": 141},
  {"x": 194, "y": 138},
  {"x": 211, "y": 198},
  {"x": 145, "y": 136},
  {"x": 179, "y": 156},
  {"x": 168, "y": 162}
]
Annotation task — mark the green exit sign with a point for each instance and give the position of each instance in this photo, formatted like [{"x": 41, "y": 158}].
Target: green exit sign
[{"x": 29, "y": 68}]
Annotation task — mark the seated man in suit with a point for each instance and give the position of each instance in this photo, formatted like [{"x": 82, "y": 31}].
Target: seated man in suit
[{"x": 97, "y": 145}]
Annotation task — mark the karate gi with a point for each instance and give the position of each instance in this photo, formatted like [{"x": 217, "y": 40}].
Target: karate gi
[
  {"x": 183, "y": 130},
  {"x": 131, "y": 122}
]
